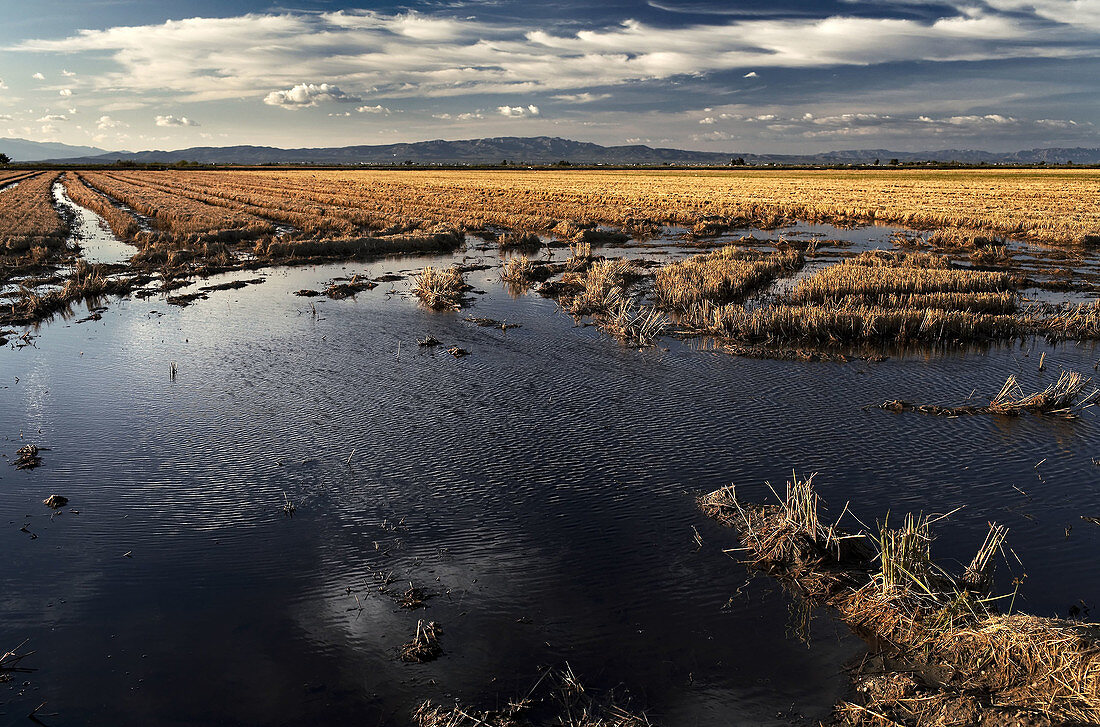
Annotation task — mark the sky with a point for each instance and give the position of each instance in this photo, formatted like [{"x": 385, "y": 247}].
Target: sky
[{"x": 753, "y": 76}]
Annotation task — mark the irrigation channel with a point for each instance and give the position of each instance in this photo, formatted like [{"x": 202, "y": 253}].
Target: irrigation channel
[{"x": 541, "y": 491}]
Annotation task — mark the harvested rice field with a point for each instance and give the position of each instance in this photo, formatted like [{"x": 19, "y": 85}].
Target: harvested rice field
[{"x": 509, "y": 447}]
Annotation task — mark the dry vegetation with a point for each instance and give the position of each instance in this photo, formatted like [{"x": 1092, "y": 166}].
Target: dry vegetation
[
  {"x": 440, "y": 289},
  {"x": 948, "y": 656},
  {"x": 187, "y": 222},
  {"x": 720, "y": 276},
  {"x": 1041, "y": 205},
  {"x": 880, "y": 297},
  {"x": 1066, "y": 397},
  {"x": 28, "y": 219},
  {"x": 563, "y": 699},
  {"x": 874, "y": 297}
]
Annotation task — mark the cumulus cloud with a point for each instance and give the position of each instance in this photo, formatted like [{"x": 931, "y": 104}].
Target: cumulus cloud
[
  {"x": 307, "y": 94},
  {"x": 38, "y": 77},
  {"x": 6, "y": 117},
  {"x": 517, "y": 112},
  {"x": 751, "y": 74},
  {"x": 410, "y": 55},
  {"x": 50, "y": 118},
  {"x": 65, "y": 92},
  {"x": 379, "y": 109},
  {"x": 171, "y": 120},
  {"x": 106, "y": 122}
]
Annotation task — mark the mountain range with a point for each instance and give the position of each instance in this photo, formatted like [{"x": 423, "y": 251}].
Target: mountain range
[{"x": 520, "y": 150}]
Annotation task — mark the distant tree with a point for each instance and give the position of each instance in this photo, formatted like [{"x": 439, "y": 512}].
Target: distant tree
[
  {"x": 876, "y": 162},
  {"x": 503, "y": 162},
  {"x": 565, "y": 163},
  {"x": 895, "y": 162},
  {"x": 5, "y": 160},
  {"x": 737, "y": 162}
]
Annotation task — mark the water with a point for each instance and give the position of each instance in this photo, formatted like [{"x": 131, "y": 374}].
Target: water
[
  {"x": 542, "y": 488},
  {"x": 97, "y": 243}
]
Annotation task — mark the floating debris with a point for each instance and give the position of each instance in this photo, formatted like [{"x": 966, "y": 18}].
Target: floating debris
[
  {"x": 425, "y": 644},
  {"x": 428, "y": 341},
  {"x": 56, "y": 501},
  {"x": 458, "y": 352},
  {"x": 491, "y": 323},
  {"x": 558, "y": 692},
  {"x": 307, "y": 293},
  {"x": 413, "y": 598},
  {"x": 27, "y": 457},
  {"x": 339, "y": 291},
  {"x": 1064, "y": 398},
  {"x": 9, "y": 661}
]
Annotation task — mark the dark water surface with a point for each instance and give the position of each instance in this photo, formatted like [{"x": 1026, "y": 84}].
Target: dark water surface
[{"x": 542, "y": 488}]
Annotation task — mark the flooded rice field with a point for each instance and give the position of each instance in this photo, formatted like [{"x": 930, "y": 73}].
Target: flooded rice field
[{"x": 255, "y": 480}]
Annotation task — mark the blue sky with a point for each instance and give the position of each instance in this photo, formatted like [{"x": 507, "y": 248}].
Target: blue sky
[{"x": 751, "y": 76}]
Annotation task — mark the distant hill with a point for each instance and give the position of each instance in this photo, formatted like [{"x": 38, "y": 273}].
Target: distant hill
[
  {"x": 21, "y": 150},
  {"x": 551, "y": 150}
]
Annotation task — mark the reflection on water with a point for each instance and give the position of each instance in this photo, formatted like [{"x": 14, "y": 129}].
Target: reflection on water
[
  {"x": 541, "y": 489},
  {"x": 97, "y": 243}
]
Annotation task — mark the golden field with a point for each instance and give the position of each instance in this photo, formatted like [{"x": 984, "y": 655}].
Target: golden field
[{"x": 1053, "y": 206}]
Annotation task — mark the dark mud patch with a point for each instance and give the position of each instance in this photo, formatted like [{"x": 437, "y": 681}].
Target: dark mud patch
[
  {"x": 185, "y": 300},
  {"x": 233, "y": 284}
]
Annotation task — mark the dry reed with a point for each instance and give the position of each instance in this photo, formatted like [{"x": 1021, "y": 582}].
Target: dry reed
[{"x": 890, "y": 588}]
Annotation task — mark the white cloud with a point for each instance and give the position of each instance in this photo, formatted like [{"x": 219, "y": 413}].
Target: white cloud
[
  {"x": 65, "y": 92},
  {"x": 411, "y": 55},
  {"x": 467, "y": 116},
  {"x": 708, "y": 120},
  {"x": 374, "y": 110},
  {"x": 171, "y": 120},
  {"x": 106, "y": 122},
  {"x": 751, "y": 74},
  {"x": 50, "y": 118},
  {"x": 585, "y": 97},
  {"x": 123, "y": 106},
  {"x": 3, "y": 86},
  {"x": 1057, "y": 123},
  {"x": 517, "y": 112},
  {"x": 6, "y": 117},
  {"x": 38, "y": 77},
  {"x": 307, "y": 94}
]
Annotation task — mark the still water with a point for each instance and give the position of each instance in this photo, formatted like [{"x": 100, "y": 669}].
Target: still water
[{"x": 542, "y": 489}]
